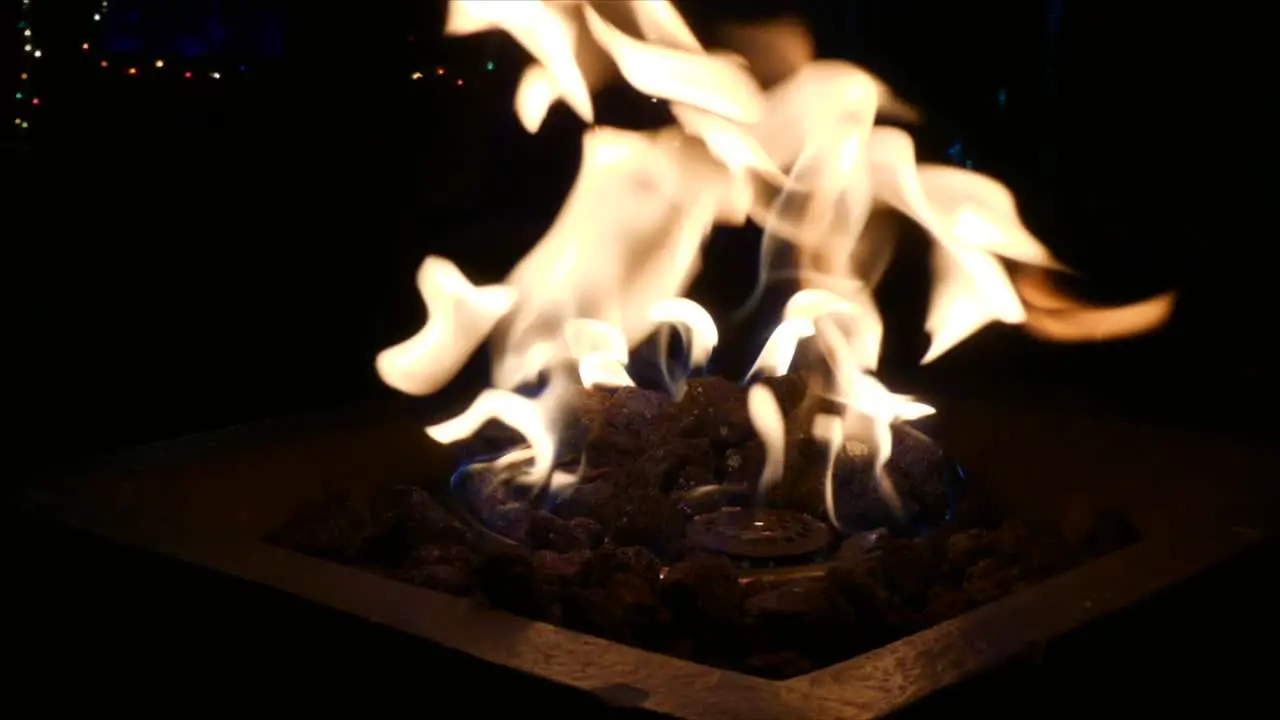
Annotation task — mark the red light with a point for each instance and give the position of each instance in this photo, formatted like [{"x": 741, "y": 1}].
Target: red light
[
  {"x": 35, "y": 101},
  {"x": 84, "y": 46},
  {"x": 103, "y": 63},
  {"x": 459, "y": 81},
  {"x": 186, "y": 74}
]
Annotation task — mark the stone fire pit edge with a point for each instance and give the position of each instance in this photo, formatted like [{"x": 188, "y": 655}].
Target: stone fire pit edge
[{"x": 867, "y": 686}]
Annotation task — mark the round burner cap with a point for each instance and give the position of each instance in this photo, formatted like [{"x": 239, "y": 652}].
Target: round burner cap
[{"x": 758, "y": 532}]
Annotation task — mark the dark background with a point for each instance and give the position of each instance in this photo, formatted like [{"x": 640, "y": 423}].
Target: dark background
[{"x": 187, "y": 253}]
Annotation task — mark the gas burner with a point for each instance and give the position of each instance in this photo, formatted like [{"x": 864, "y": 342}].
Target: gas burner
[{"x": 761, "y": 533}]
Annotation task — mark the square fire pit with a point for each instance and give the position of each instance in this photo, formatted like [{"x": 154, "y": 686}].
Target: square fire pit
[{"x": 212, "y": 500}]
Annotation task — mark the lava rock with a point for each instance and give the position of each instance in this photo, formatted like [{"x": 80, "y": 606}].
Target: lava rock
[
  {"x": 635, "y": 411},
  {"x": 645, "y": 518},
  {"x": 714, "y": 409},
  {"x": 703, "y": 591},
  {"x": 426, "y": 519},
  {"x": 1037, "y": 551},
  {"x": 695, "y": 477},
  {"x": 860, "y": 501},
  {"x": 806, "y": 615},
  {"x": 594, "y": 560},
  {"x": 907, "y": 570},
  {"x": 920, "y": 476},
  {"x": 609, "y": 561},
  {"x": 860, "y": 547},
  {"x": 680, "y": 461},
  {"x": 589, "y": 498},
  {"x": 484, "y": 492},
  {"x": 946, "y": 602},
  {"x": 789, "y": 390},
  {"x": 1012, "y": 537},
  {"x": 638, "y": 561},
  {"x": 631, "y": 607},
  {"x": 710, "y": 498},
  {"x": 565, "y": 568},
  {"x": 875, "y": 608},
  {"x": 964, "y": 549},
  {"x": 510, "y": 582},
  {"x": 583, "y": 411},
  {"x": 990, "y": 579},
  {"x": 511, "y": 520},
  {"x": 796, "y": 599},
  {"x": 548, "y": 532},
  {"x": 448, "y": 569},
  {"x": 610, "y": 447},
  {"x": 415, "y": 520},
  {"x": 335, "y": 530},
  {"x": 625, "y": 609},
  {"x": 589, "y": 531},
  {"x": 741, "y": 466}
]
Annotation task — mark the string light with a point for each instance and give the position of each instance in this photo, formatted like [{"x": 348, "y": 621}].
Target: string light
[
  {"x": 25, "y": 100},
  {"x": 441, "y": 71},
  {"x": 135, "y": 71}
]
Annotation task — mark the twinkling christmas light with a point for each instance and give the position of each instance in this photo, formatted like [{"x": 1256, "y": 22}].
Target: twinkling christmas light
[
  {"x": 134, "y": 68},
  {"x": 25, "y": 99},
  {"x": 448, "y": 75}
]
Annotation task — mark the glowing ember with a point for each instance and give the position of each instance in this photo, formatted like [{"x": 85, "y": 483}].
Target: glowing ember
[{"x": 804, "y": 160}]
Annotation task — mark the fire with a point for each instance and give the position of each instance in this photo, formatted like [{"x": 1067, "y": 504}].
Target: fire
[{"x": 805, "y": 160}]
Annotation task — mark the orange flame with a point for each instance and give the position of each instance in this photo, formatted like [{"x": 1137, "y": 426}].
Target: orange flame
[{"x": 804, "y": 160}]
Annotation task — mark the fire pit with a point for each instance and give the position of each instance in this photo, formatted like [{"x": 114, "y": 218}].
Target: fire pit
[
  {"x": 771, "y": 527},
  {"x": 661, "y": 517},
  {"x": 211, "y": 501},
  {"x": 663, "y": 542}
]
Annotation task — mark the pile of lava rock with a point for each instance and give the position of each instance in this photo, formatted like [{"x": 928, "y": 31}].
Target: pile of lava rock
[{"x": 613, "y": 556}]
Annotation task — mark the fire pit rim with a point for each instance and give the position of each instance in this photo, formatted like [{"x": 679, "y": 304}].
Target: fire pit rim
[{"x": 869, "y": 685}]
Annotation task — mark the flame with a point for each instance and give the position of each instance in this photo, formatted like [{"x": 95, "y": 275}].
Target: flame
[
  {"x": 805, "y": 160},
  {"x": 462, "y": 315},
  {"x": 769, "y": 423},
  {"x": 1054, "y": 315}
]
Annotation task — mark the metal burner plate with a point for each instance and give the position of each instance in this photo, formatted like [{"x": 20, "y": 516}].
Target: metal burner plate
[{"x": 758, "y": 533}]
